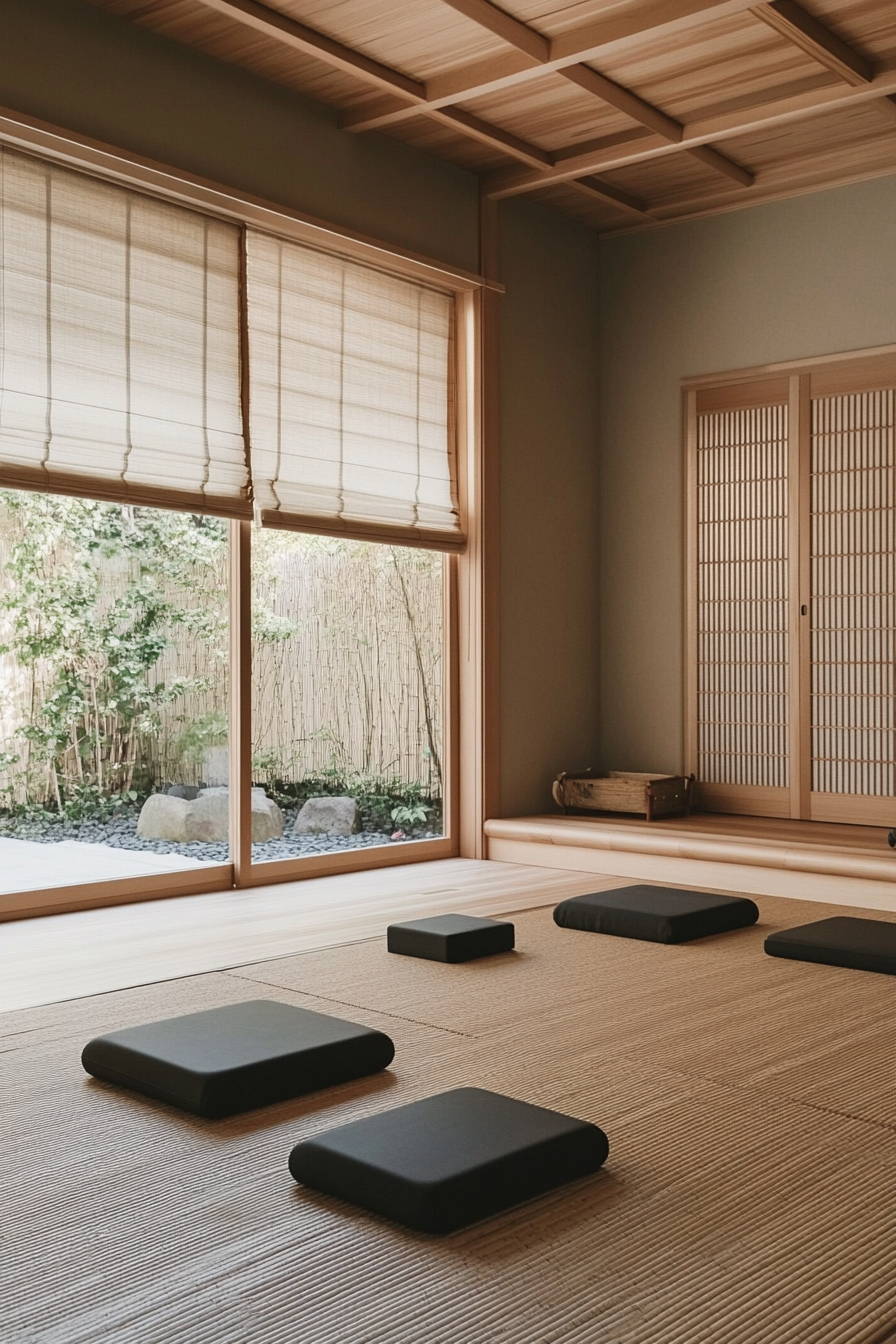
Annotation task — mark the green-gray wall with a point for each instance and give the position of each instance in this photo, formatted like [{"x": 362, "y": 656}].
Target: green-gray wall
[
  {"x": 791, "y": 280},
  {"x": 549, "y": 502},
  {"x": 80, "y": 68}
]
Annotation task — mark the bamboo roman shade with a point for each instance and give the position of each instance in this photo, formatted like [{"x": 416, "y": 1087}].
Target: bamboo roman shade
[
  {"x": 119, "y": 344},
  {"x": 350, "y": 403}
]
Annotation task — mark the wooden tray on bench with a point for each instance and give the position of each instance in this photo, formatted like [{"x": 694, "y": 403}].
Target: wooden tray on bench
[{"x": 625, "y": 791}]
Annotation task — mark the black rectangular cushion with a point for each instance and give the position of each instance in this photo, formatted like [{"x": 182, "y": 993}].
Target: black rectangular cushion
[
  {"x": 450, "y": 937},
  {"x": 451, "y": 1159},
  {"x": 225, "y": 1060},
  {"x": 656, "y": 914},
  {"x": 860, "y": 944}
]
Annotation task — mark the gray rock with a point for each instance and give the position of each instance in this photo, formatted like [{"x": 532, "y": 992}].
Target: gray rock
[
  {"x": 328, "y": 816},
  {"x": 187, "y": 791},
  {"x": 164, "y": 818},
  {"x": 267, "y": 819},
  {"x": 216, "y": 766},
  {"x": 211, "y": 816},
  {"x": 206, "y": 819}
]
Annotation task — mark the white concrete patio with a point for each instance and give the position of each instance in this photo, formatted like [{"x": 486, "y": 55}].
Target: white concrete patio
[{"x": 26, "y": 865}]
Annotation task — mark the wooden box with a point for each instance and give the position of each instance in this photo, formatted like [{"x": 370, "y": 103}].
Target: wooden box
[{"x": 625, "y": 791}]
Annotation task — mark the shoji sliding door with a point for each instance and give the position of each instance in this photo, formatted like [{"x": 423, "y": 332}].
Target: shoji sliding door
[
  {"x": 791, "y": 602},
  {"x": 741, "y": 662},
  {"x": 853, "y": 605}
]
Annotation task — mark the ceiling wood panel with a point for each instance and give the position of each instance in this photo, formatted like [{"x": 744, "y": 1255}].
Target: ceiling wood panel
[
  {"x": 772, "y": 94},
  {"x": 421, "y": 37}
]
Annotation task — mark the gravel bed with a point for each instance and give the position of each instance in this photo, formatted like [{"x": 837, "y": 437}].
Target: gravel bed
[{"x": 120, "y": 832}]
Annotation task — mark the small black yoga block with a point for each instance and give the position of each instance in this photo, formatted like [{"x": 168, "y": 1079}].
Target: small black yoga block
[
  {"x": 439, "y": 1164},
  {"x": 656, "y": 914},
  {"x": 859, "y": 944},
  {"x": 226, "y": 1060},
  {"x": 450, "y": 938}
]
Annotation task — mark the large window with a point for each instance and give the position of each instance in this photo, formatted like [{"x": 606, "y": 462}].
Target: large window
[{"x": 187, "y": 701}]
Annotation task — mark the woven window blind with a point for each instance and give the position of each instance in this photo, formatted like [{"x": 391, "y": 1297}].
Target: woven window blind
[
  {"x": 350, "y": 408},
  {"x": 119, "y": 344}
]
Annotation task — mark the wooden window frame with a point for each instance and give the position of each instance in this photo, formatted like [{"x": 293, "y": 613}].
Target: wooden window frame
[
  {"x": 469, "y": 590},
  {"x": 794, "y": 383}
]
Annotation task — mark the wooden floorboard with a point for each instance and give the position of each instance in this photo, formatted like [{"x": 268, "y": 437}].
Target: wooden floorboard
[
  {"x": 747, "y": 1198},
  {"x": 57, "y": 957}
]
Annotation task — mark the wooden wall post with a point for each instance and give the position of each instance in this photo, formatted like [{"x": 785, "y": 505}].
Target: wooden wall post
[
  {"x": 478, "y": 595},
  {"x": 241, "y": 700}
]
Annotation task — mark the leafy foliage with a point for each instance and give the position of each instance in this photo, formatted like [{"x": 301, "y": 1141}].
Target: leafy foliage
[
  {"x": 379, "y": 797},
  {"x": 90, "y": 643}
]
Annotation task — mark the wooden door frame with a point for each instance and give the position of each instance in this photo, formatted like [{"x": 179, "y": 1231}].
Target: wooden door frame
[{"x": 829, "y": 375}]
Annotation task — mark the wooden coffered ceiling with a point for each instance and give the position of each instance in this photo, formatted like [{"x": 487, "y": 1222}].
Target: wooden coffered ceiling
[{"x": 620, "y": 114}]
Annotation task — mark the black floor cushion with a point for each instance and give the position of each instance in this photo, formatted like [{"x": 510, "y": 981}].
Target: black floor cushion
[
  {"x": 449, "y": 1160},
  {"x": 225, "y": 1060},
  {"x": 450, "y": 937},
  {"x": 656, "y": 914},
  {"x": 860, "y": 944}
]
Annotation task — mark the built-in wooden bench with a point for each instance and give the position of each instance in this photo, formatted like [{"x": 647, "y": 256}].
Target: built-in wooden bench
[{"x": 606, "y": 844}]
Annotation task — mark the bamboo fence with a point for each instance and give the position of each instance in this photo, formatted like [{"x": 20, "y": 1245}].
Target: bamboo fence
[{"x": 346, "y": 671}]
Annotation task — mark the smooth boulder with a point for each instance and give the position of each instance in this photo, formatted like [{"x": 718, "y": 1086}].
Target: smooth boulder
[
  {"x": 210, "y": 819},
  {"x": 206, "y": 818},
  {"x": 328, "y": 816},
  {"x": 164, "y": 817}
]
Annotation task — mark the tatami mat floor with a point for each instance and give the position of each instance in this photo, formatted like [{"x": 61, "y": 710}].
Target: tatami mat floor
[{"x": 747, "y": 1199}]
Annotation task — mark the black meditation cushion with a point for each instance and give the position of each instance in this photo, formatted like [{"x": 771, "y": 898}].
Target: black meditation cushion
[
  {"x": 449, "y": 1160},
  {"x": 450, "y": 937},
  {"x": 225, "y": 1060},
  {"x": 861, "y": 944},
  {"x": 656, "y": 914}
]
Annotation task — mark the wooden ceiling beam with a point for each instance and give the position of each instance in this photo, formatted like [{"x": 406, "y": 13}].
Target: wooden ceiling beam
[
  {"x": 580, "y": 160},
  {"x": 596, "y": 187},
  {"x": 412, "y": 97},
  {"x": 503, "y": 25},
  {"x": 810, "y": 173},
  {"x": 493, "y": 136},
  {"x": 611, "y": 35},
  {"x": 799, "y": 27},
  {"x": 654, "y": 120},
  {"x": 306, "y": 40},
  {"x": 598, "y": 86},
  {"x": 272, "y": 23},
  {"x": 720, "y": 163},
  {"x": 624, "y": 101},
  {"x": 311, "y": 43}
]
